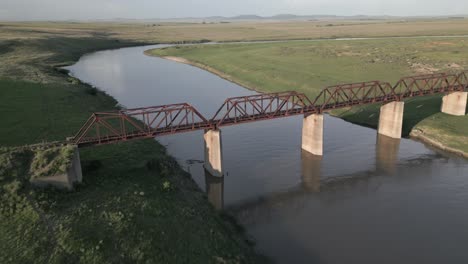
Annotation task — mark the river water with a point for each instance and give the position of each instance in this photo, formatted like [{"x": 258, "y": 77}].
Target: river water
[{"x": 369, "y": 199}]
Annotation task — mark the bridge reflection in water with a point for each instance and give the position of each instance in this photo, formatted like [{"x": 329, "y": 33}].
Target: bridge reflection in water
[{"x": 386, "y": 159}]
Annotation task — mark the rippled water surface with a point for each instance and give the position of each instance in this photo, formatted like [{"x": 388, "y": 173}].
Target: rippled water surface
[{"x": 369, "y": 199}]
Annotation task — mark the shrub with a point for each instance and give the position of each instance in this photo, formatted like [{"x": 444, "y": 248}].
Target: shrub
[
  {"x": 167, "y": 186},
  {"x": 92, "y": 91}
]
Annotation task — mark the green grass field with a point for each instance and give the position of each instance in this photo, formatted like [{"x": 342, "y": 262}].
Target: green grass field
[
  {"x": 36, "y": 112},
  {"x": 308, "y": 66},
  {"x": 135, "y": 205}
]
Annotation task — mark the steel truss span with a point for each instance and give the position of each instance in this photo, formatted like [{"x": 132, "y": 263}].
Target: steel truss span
[{"x": 149, "y": 122}]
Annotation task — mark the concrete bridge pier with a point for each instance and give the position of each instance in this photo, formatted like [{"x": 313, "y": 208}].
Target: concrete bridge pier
[
  {"x": 213, "y": 152},
  {"x": 312, "y": 134},
  {"x": 391, "y": 119},
  {"x": 454, "y": 103}
]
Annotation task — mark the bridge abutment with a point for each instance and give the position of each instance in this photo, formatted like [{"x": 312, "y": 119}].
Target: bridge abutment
[
  {"x": 391, "y": 119},
  {"x": 65, "y": 180},
  {"x": 454, "y": 103},
  {"x": 312, "y": 134},
  {"x": 213, "y": 152}
]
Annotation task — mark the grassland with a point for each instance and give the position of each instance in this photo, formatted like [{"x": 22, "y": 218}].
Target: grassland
[
  {"x": 308, "y": 66},
  {"x": 247, "y": 31},
  {"x": 135, "y": 205},
  {"x": 137, "y": 208}
]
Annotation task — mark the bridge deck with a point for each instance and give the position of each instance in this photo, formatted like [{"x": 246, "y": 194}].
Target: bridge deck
[{"x": 149, "y": 122}]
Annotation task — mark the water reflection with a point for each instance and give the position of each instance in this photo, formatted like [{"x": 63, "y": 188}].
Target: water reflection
[
  {"x": 215, "y": 190},
  {"x": 311, "y": 171},
  {"x": 386, "y": 153}
]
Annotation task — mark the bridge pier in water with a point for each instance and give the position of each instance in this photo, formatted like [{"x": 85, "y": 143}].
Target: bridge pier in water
[
  {"x": 454, "y": 103},
  {"x": 213, "y": 152},
  {"x": 391, "y": 119},
  {"x": 312, "y": 134}
]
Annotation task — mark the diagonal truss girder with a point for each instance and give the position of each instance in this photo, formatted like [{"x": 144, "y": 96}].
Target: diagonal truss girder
[{"x": 149, "y": 122}]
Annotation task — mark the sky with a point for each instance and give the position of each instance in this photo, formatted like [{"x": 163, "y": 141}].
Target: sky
[{"x": 144, "y": 9}]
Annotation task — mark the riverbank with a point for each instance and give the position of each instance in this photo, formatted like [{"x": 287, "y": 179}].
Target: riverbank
[
  {"x": 420, "y": 135},
  {"x": 309, "y": 66},
  {"x": 209, "y": 69},
  {"x": 135, "y": 204},
  {"x": 445, "y": 132}
]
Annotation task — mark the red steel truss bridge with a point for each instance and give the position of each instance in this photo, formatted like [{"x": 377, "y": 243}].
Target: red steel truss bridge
[{"x": 149, "y": 122}]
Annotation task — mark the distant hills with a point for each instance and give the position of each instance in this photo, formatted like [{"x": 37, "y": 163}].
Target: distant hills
[{"x": 283, "y": 17}]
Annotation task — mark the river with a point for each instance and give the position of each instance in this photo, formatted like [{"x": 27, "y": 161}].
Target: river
[{"x": 369, "y": 199}]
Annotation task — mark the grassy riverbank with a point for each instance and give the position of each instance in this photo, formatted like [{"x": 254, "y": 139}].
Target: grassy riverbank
[
  {"x": 135, "y": 206},
  {"x": 309, "y": 66}
]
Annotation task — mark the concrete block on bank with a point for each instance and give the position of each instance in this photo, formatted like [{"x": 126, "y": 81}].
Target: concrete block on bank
[
  {"x": 454, "y": 103},
  {"x": 64, "y": 180}
]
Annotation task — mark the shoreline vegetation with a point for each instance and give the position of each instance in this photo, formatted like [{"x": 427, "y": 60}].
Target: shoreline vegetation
[
  {"x": 417, "y": 134},
  {"x": 441, "y": 135},
  {"x": 130, "y": 208}
]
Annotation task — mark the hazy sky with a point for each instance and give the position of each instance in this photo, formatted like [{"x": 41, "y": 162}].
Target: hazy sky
[{"x": 107, "y": 9}]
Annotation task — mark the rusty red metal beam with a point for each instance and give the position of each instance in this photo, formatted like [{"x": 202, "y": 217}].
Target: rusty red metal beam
[
  {"x": 429, "y": 84},
  {"x": 149, "y": 122},
  {"x": 260, "y": 107},
  {"x": 345, "y": 95}
]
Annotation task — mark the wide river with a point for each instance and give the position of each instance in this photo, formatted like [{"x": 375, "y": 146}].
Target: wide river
[{"x": 368, "y": 200}]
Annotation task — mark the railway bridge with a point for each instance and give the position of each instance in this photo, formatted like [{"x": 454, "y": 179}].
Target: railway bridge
[{"x": 150, "y": 122}]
